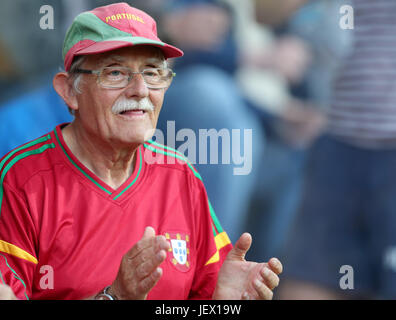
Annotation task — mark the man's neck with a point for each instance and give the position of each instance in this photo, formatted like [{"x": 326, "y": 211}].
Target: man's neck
[{"x": 113, "y": 166}]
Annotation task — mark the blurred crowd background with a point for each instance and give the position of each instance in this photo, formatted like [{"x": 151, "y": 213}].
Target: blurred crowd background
[{"x": 266, "y": 65}]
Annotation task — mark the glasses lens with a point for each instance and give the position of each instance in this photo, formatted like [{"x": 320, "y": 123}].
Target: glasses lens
[
  {"x": 114, "y": 77},
  {"x": 158, "y": 78}
]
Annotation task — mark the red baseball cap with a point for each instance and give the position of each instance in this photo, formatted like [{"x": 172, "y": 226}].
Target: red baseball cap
[{"x": 111, "y": 27}]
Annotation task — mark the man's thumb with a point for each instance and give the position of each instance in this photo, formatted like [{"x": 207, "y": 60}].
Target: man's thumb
[
  {"x": 149, "y": 232},
  {"x": 240, "y": 248}
]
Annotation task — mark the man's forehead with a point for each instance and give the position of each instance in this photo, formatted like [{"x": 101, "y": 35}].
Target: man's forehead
[
  {"x": 118, "y": 58},
  {"x": 149, "y": 55}
]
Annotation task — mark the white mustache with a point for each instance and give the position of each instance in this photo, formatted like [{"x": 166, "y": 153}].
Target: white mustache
[{"x": 123, "y": 104}]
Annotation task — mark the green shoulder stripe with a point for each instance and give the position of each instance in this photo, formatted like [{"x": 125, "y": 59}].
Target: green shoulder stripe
[
  {"x": 15, "y": 160},
  {"x": 34, "y": 142},
  {"x": 215, "y": 220},
  {"x": 168, "y": 148},
  {"x": 155, "y": 147}
]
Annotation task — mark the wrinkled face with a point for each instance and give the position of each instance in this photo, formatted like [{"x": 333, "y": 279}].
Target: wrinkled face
[{"x": 101, "y": 111}]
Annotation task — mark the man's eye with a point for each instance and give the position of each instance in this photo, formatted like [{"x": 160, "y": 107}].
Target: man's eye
[
  {"x": 114, "y": 73},
  {"x": 151, "y": 73}
]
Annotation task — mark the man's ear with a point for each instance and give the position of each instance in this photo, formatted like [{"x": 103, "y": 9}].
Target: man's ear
[{"x": 64, "y": 87}]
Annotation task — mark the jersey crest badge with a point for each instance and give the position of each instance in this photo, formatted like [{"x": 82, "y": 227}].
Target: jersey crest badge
[{"x": 179, "y": 252}]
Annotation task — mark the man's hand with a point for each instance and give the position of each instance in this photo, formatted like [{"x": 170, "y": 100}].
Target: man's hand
[
  {"x": 241, "y": 279},
  {"x": 6, "y": 293},
  {"x": 139, "y": 270}
]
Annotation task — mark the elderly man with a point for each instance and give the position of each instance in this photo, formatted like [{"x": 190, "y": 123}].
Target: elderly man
[{"x": 95, "y": 209}]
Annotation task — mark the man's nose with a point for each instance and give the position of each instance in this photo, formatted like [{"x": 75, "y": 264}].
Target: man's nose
[{"x": 137, "y": 87}]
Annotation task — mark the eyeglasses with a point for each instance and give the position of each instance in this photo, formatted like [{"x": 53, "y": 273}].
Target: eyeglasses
[{"x": 119, "y": 77}]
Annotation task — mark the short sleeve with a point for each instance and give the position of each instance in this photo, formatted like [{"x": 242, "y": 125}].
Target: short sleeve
[{"x": 18, "y": 258}]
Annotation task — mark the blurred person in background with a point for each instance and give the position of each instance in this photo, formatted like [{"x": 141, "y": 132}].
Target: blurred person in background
[
  {"x": 8, "y": 72},
  {"x": 272, "y": 73},
  {"x": 30, "y": 106},
  {"x": 28, "y": 64},
  {"x": 346, "y": 220}
]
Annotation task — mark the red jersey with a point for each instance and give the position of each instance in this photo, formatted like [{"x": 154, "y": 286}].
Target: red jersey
[{"x": 63, "y": 231}]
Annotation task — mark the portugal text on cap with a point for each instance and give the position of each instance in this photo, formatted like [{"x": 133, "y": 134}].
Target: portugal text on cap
[{"x": 124, "y": 16}]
